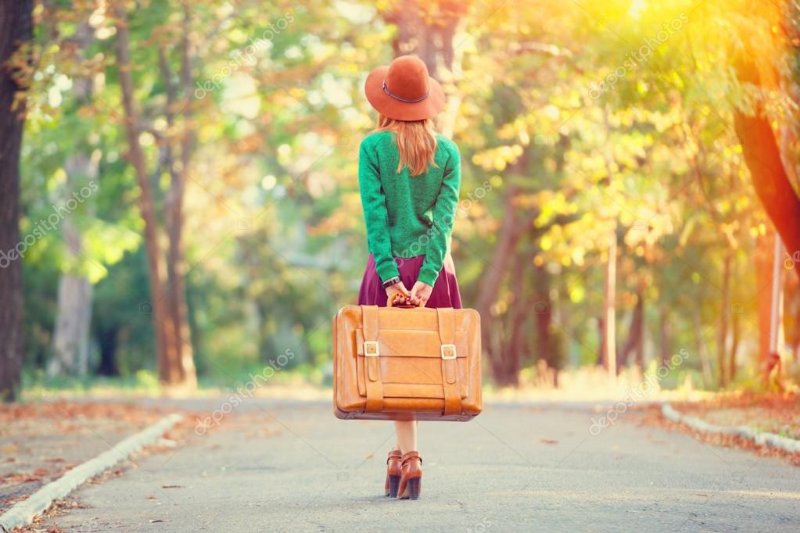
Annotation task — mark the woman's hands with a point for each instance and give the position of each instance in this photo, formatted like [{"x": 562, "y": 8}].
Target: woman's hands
[
  {"x": 420, "y": 293},
  {"x": 399, "y": 289}
]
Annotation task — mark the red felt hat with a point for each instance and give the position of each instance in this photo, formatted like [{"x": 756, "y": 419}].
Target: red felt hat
[{"x": 404, "y": 90}]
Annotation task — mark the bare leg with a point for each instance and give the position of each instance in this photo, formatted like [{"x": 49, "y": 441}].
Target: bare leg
[{"x": 406, "y": 435}]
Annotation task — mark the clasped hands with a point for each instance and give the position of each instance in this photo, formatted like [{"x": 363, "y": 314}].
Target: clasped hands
[{"x": 419, "y": 294}]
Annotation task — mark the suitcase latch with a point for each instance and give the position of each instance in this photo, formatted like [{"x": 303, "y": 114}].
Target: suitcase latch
[
  {"x": 448, "y": 351},
  {"x": 371, "y": 349}
]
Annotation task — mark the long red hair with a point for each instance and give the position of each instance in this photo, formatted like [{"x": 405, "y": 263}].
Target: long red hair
[{"x": 416, "y": 142}]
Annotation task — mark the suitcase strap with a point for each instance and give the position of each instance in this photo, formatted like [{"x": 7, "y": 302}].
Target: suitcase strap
[
  {"x": 371, "y": 355},
  {"x": 447, "y": 337}
]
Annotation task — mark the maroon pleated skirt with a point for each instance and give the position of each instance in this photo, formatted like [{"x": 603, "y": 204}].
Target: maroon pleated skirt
[{"x": 445, "y": 289}]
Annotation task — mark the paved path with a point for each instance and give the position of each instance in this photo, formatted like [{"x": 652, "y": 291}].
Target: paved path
[{"x": 291, "y": 466}]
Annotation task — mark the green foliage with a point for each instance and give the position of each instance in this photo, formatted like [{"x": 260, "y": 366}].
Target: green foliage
[{"x": 583, "y": 119}]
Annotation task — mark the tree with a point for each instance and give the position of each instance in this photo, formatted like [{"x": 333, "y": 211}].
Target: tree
[
  {"x": 770, "y": 179},
  {"x": 428, "y": 29},
  {"x": 771, "y": 162},
  {"x": 73, "y": 318},
  {"x": 168, "y": 295},
  {"x": 570, "y": 136},
  {"x": 16, "y": 29}
]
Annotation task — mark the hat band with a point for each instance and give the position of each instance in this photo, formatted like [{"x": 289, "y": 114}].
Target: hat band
[{"x": 400, "y": 98}]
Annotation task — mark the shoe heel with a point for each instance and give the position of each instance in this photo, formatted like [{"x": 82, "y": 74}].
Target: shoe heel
[
  {"x": 414, "y": 487},
  {"x": 393, "y": 486}
]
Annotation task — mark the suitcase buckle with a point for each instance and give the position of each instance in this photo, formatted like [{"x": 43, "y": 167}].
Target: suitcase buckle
[
  {"x": 371, "y": 349},
  {"x": 448, "y": 351}
]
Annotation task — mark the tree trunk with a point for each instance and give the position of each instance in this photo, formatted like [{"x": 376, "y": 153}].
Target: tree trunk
[
  {"x": 427, "y": 29},
  {"x": 178, "y": 170},
  {"x": 664, "y": 337},
  {"x": 73, "y": 318},
  {"x": 763, "y": 158},
  {"x": 735, "y": 337},
  {"x": 609, "y": 350},
  {"x": 791, "y": 314},
  {"x": 762, "y": 260},
  {"x": 176, "y": 243},
  {"x": 700, "y": 346},
  {"x": 722, "y": 338},
  {"x": 735, "y": 318},
  {"x": 511, "y": 230},
  {"x": 107, "y": 341},
  {"x": 74, "y": 313},
  {"x": 519, "y": 311},
  {"x": 176, "y": 291},
  {"x": 600, "y": 346},
  {"x": 172, "y": 359},
  {"x": 639, "y": 347},
  {"x": 635, "y": 341},
  {"x": 16, "y": 29},
  {"x": 542, "y": 307}
]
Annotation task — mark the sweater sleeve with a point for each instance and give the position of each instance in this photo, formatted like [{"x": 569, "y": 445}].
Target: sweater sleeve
[
  {"x": 444, "y": 214},
  {"x": 376, "y": 216}
]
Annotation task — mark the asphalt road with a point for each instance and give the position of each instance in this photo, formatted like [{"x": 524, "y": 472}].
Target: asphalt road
[{"x": 291, "y": 466}]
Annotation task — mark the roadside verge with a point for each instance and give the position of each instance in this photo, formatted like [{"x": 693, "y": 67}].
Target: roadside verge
[
  {"x": 24, "y": 512},
  {"x": 759, "y": 438}
]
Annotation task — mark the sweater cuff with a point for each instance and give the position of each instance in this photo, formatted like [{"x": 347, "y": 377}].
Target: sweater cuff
[
  {"x": 428, "y": 276},
  {"x": 387, "y": 270}
]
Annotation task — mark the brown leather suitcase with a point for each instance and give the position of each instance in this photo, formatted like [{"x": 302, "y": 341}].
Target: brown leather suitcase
[{"x": 391, "y": 363}]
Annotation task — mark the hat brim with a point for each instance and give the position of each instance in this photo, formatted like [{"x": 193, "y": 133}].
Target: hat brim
[{"x": 397, "y": 110}]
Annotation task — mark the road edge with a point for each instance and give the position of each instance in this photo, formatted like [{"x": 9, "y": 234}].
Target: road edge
[
  {"x": 772, "y": 440},
  {"x": 25, "y": 511}
]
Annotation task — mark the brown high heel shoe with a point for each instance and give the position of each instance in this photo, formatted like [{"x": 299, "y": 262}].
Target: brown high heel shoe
[
  {"x": 393, "y": 473},
  {"x": 411, "y": 476}
]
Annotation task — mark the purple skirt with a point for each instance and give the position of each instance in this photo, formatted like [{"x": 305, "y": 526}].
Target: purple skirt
[{"x": 445, "y": 290}]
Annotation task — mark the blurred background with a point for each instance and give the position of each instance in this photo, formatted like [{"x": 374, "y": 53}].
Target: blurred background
[{"x": 188, "y": 201}]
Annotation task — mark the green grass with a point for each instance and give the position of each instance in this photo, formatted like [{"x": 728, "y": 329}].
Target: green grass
[
  {"x": 305, "y": 374},
  {"x": 37, "y": 385}
]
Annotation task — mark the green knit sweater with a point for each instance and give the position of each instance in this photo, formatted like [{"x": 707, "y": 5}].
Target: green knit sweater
[{"x": 407, "y": 216}]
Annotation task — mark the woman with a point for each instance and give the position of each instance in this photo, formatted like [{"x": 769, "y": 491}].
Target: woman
[{"x": 409, "y": 177}]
